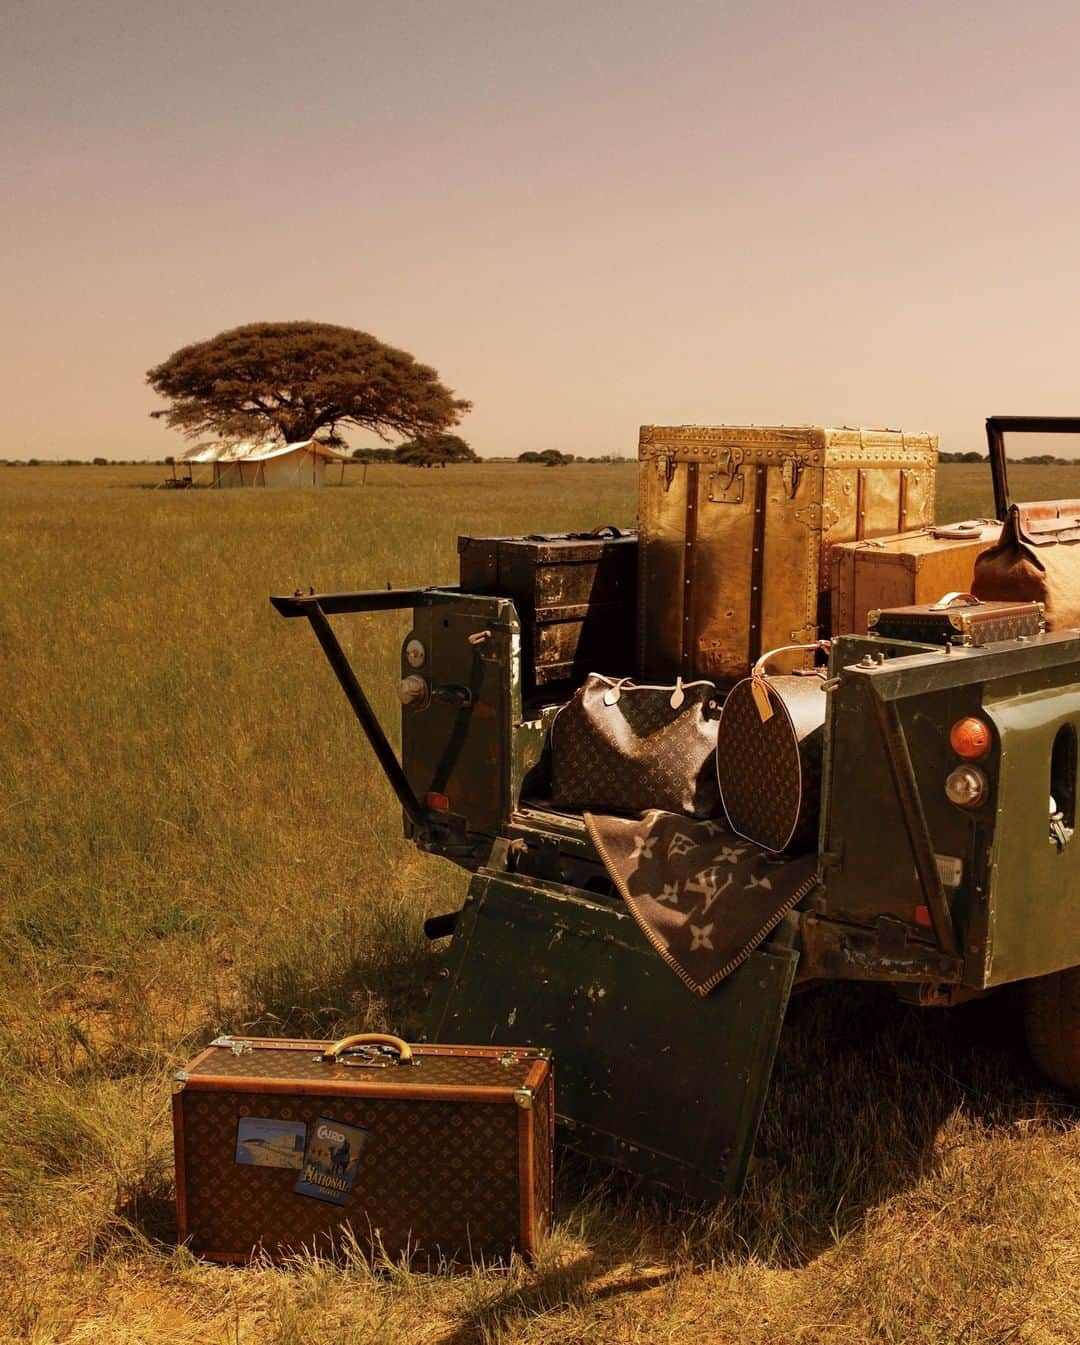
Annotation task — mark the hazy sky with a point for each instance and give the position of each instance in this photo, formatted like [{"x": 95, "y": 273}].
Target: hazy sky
[{"x": 585, "y": 215}]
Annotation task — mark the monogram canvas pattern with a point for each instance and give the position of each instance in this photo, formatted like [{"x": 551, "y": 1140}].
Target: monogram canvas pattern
[
  {"x": 544, "y": 1167},
  {"x": 435, "y": 1178},
  {"x": 703, "y": 897},
  {"x": 636, "y": 752},
  {"x": 976, "y": 628},
  {"x": 265, "y": 1061},
  {"x": 770, "y": 770}
]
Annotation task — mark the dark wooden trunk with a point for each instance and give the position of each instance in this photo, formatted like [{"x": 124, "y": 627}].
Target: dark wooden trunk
[{"x": 575, "y": 594}]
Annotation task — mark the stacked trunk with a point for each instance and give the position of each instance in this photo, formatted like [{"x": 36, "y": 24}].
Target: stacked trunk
[{"x": 736, "y": 524}]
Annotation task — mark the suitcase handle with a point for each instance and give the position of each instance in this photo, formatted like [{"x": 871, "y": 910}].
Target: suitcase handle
[
  {"x": 955, "y": 600},
  {"x": 758, "y": 669},
  {"x": 335, "y": 1052}
]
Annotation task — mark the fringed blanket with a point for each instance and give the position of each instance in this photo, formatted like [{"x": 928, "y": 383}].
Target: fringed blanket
[{"x": 704, "y": 898}]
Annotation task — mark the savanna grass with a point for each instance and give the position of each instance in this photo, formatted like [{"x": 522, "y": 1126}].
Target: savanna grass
[{"x": 193, "y": 836}]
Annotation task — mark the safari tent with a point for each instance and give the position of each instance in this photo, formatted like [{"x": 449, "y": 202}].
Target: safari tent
[{"x": 268, "y": 464}]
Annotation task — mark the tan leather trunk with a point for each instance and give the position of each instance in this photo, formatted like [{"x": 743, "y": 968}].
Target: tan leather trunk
[
  {"x": 900, "y": 571},
  {"x": 736, "y": 524}
]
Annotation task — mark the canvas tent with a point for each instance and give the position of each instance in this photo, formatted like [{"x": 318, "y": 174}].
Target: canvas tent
[{"x": 259, "y": 464}]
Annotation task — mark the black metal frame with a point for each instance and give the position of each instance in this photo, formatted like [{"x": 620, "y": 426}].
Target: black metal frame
[
  {"x": 316, "y": 607},
  {"x": 996, "y": 429}
]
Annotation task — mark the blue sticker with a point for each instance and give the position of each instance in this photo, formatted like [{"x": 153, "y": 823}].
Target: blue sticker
[{"x": 266, "y": 1143}]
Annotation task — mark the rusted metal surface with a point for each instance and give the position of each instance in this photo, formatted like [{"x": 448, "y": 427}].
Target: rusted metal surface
[
  {"x": 898, "y": 755},
  {"x": 888, "y": 950},
  {"x": 650, "y": 1078}
]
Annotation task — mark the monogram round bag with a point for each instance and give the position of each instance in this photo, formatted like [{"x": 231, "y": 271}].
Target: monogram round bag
[{"x": 768, "y": 755}]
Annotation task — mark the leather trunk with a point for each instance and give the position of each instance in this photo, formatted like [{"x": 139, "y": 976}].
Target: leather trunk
[
  {"x": 456, "y": 1161},
  {"x": 1036, "y": 560},
  {"x": 735, "y": 527},
  {"x": 908, "y": 568},
  {"x": 575, "y": 594}
]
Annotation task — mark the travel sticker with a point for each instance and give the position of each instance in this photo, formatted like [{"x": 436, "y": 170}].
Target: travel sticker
[
  {"x": 265, "y": 1143},
  {"x": 332, "y": 1159}
]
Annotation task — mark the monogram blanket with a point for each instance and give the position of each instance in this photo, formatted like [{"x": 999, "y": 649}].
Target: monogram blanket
[{"x": 703, "y": 897}]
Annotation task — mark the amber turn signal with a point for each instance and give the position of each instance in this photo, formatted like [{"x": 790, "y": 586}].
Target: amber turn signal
[{"x": 970, "y": 738}]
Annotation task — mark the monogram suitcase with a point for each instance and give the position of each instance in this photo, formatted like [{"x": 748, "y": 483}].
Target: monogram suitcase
[
  {"x": 736, "y": 524},
  {"x": 441, "y": 1153},
  {"x": 575, "y": 594},
  {"x": 904, "y": 570},
  {"x": 959, "y": 619}
]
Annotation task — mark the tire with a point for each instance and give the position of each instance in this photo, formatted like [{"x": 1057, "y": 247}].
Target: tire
[{"x": 1052, "y": 1026}]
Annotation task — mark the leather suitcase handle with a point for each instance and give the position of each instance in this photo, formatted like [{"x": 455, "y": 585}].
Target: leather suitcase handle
[
  {"x": 957, "y": 599},
  {"x": 759, "y": 667},
  {"x": 339, "y": 1048}
]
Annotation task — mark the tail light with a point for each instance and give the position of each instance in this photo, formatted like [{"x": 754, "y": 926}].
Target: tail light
[
  {"x": 970, "y": 738},
  {"x": 966, "y": 786}
]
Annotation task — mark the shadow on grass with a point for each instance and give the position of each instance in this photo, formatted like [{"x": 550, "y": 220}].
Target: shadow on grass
[
  {"x": 867, "y": 1096},
  {"x": 551, "y": 1287},
  {"x": 863, "y": 1093}
]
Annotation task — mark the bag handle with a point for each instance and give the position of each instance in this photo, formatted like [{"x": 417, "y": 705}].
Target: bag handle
[
  {"x": 675, "y": 700},
  {"x": 758, "y": 670},
  {"x": 333, "y": 1054},
  {"x": 956, "y": 599}
]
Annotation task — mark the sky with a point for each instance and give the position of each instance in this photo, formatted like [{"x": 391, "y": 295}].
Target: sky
[{"x": 587, "y": 216}]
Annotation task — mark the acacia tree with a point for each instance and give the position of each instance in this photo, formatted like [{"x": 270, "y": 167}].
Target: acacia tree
[
  {"x": 297, "y": 381},
  {"x": 434, "y": 450}
]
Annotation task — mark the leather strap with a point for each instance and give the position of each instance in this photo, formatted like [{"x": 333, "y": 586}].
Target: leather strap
[
  {"x": 758, "y": 670},
  {"x": 757, "y": 562}
]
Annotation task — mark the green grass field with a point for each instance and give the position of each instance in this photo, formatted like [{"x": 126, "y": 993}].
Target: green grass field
[{"x": 194, "y": 837}]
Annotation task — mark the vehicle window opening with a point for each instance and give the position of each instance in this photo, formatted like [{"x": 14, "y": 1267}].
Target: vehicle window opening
[{"x": 1063, "y": 784}]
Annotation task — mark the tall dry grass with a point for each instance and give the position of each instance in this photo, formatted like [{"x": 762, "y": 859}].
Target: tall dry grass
[{"x": 193, "y": 837}]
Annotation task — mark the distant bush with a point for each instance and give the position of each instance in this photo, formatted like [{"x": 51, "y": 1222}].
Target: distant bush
[
  {"x": 373, "y": 455},
  {"x": 550, "y": 457}
]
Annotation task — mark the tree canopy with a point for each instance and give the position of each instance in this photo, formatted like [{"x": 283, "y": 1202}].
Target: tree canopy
[
  {"x": 298, "y": 381},
  {"x": 550, "y": 457},
  {"x": 434, "y": 450}
]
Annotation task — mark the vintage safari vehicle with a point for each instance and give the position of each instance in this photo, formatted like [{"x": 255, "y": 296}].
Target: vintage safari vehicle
[{"x": 944, "y": 869}]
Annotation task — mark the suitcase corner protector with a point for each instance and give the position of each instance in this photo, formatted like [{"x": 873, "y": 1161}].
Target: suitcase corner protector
[{"x": 525, "y": 1097}]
